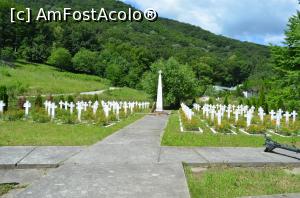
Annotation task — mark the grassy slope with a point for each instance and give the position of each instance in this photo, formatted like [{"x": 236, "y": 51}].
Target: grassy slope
[
  {"x": 34, "y": 78},
  {"x": 173, "y": 137},
  {"x": 29, "y": 133},
  {"x": 225, "y": 182}
]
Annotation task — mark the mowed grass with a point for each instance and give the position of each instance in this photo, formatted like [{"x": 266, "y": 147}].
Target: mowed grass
[
  {"x": 50, "y": 134},
  {"x": 225, "y": 182},
  {"x": 125, "y": 94},
  {"x": 31, "y": 79},
  {"x": 173, "y": 137}
]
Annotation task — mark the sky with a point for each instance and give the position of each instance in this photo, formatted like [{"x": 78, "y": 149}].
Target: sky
[{"x": 258, "y": 21}]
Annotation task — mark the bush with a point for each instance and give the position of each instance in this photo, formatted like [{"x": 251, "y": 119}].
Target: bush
[
  {"x": 8, "y": 54},
  {"x": 14, "y": 115},
  {"x": 256, "y": 129},
  {"x": 61, "y": 58},
  {"x": 189, "y": 125},
  {"x": 38, "y": 103},
  {"x": 41, "y": 116},
  {"x": 223, "y": 128}
]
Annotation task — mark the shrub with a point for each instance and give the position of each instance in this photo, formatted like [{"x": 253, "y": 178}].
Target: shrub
[
  {"x": 21, "y": 102},
  {"x": 41, "y": 116},
  {"x": 256, "y": 129},
  {"x": 70, "y": 98},
  {"x": 14, "y": 115},
  {"x": 38, "y": 103},
  {"x": 223, "y": 128}
]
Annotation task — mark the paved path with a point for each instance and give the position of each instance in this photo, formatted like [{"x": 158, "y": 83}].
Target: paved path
[
  {"x": 123, "y": 165},
  {"x": 131, "y": 163},
  {"x": 35, "y": 156}
]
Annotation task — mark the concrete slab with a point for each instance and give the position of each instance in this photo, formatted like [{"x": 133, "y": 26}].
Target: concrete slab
[
  {"x": 48, "y": 156},
  {"x": 112, "y": 180},
  {"x": 21, "y": 176},
  {"x": 291, "y": 195},
  {"x": 244, "y": 156},
  {"x": 179, "y": 155},
  {"x": 11, "y": 155},
  {"x": 117, "y": 153}
]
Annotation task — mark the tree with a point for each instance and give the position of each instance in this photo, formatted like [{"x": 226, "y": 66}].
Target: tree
[
  {"x": 179, "y": 82},
  {"x": 226, "y": 100},
  {"x": 85, "y": 61},
  {"x": 61, "y": 58},
  {"x": 7, "y": 54}
]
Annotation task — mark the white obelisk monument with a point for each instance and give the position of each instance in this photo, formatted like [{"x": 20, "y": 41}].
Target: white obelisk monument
[{"x": 159, "y": 100}]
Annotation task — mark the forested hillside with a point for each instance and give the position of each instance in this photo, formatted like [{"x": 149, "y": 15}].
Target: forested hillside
[{"x": 123, "y": 52}]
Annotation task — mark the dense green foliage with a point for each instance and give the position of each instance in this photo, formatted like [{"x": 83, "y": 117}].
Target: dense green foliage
[
  {"x": 279, "y": 81},
  {"x": 178, "y": 80},
  {"x": 61, "y": 58},
  {"x": 123, "y": 52}
]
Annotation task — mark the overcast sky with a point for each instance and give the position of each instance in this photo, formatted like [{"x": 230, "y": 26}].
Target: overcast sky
[{"x": 259, "y": 21}]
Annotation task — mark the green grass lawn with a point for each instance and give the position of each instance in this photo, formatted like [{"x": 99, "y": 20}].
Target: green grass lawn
[
  {"x": 125, "y": 94},
  {"x": 225, "y": 182},
  {"x": 31, "y": 79},
  {"x": 173, "y": 137},
  {"x": 30, "y": 133}
]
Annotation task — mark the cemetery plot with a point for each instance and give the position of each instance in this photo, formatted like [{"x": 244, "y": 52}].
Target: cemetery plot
[
  {"x": 233, "y": 119},
  {"x": 66, "y": 123},
  {"x": 99, "y": 113},
  {"x": 173, "y": 136}
]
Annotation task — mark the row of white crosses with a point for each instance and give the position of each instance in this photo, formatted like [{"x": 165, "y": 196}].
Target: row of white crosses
[
  {"x": 242, "y": 110},
  {"x": 187, "y": 111},
  {"x": 50, "y": 107},
  {"x": 107, "y": 107}
]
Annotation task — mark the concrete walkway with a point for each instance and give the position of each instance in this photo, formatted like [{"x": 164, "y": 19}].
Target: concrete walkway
[
  {"x": 21, "y": 157},
  {"x": 123, "y": 165},
  {"x": 131, "y": 163}
]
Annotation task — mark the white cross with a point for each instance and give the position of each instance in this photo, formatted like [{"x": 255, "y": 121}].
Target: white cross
[
  {"x": 287, "y": 116},
  {"x": 90, "y": 103},
  {"x": 272, "y": 113},
  {"x": 53, "y": 107},
  {"x": 106, "y": 110},
  {"x": 261, "y": 114},
  {"x": 294, "y": 114},
  {"x": 278, "y": 118},
  {"x": 85, "y": 105},
  {"x": 79, "y": 109},
  {"x": 61, "y": 104},
  {"x": 95, "y": 107},
  {"x": 125, "y": 106},
  {"x": 71, "y": 105},
  {"x": 2, "y": 105},
  {"x": 236, "y": 113},
  {"x": 66, "y": 104},
  {"x": 229, "y": 112},
  {"x": 249, "y": 116},
  {"x": 219, "y": 116},
  {"x": 27, "y": 105}
]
